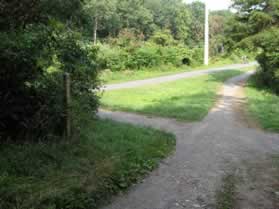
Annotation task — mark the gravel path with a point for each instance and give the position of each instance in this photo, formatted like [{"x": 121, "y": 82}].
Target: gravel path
[
  {"x": 168, "y": 78},
  {"x": 204, "y": 154}
]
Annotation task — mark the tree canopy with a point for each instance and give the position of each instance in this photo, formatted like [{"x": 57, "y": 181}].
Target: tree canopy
[{"x": 255, "y": 26}]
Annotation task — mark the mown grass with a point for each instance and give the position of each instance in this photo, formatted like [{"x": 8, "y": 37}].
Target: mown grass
[
  {"x": 263, "y": 105},
  {"x": 109, "y": 77},
  {"x": 109, "y": 157},
  {"x": 187, "y": 99}
]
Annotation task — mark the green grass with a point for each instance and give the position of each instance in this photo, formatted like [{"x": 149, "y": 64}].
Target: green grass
[
  {"x": 263, "y": 106},
  {"x": 109, "y": 77},
  {"x": 187, "y": 99},
  {"x": 108, "y": 158}
]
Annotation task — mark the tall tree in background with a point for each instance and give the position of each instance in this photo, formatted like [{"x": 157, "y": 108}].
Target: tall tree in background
[
  {"x": 134, "y": 15},
  {"x": 99, "y": 10},
  {"x": 196, "y": 24},
  {"x": 218, "y": 21},
  {"x": 173, "y": 15}
]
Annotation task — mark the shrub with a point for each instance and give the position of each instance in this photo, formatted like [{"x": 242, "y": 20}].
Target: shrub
[
  {"x": 31, "y": 95},
  {"x": 269, "y": 58},
  {"x": 113, "y": 58},
  {"x": 146, "y": 56},
  {"x": 196, "y": 55},
  {"x": 176, "y": 55}
]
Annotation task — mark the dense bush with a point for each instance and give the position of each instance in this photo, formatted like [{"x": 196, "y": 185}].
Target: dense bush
[
  {"x": 255, "y": 28},
  {"x": 113, "y": 58},
  {"x": 269, "y": 58},
  {"x": 146, "y": 55},
  {"x": 33, "y": 56},
  {"x": 163, "y": 38}
]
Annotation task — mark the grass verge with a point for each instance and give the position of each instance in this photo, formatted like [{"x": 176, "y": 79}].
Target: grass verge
[
  {"x": 186, "y": 99},
  {"x": 109, "y": 77},
  {"x": 263, "y": 106},
  {"x": 108, "y": 158}
]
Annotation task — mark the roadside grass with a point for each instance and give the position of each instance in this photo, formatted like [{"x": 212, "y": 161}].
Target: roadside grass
[
  {"x": 263, "y": 106},
  {"x": 187, "y": 99},
  {"x": 107, "y": 158},
  {"x": 109, "y": 77}
]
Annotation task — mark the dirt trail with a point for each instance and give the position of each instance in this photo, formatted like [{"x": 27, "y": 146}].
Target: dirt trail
[{"x": 205, "y": 153}]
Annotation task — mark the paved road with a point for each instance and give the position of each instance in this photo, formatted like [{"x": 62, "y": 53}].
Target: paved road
[
  {"x": 206, "y": 151},
  {"x": 168, "y": 78}
]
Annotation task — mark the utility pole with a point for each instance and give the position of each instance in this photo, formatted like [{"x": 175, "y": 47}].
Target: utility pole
[{"x": 206, "y": 35}]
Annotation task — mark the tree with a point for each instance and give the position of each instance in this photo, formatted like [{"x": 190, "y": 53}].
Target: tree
[
  {"x": 256, "y": 24},
  {"x": 196, "y": 23},
  {"x": 99, "y": 10},
  {"x": 134, "y": 15},
  {"x": 218, "y": 22},
  {"x": 172, "y": 15}
]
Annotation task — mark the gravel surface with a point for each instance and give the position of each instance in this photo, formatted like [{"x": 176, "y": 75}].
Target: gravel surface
[
  {"x": 168, "y": 78},
  {"x": 206, "y": 151}
]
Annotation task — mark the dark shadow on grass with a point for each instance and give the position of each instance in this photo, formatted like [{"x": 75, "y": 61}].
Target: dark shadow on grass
[{"x": 180, "y": 108}]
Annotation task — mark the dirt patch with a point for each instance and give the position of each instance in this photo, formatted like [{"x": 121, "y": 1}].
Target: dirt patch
[
  {"x": 250, "y": 184},
  {"x": 226, "y": 195},
  {"x": 259, "y": 187}
]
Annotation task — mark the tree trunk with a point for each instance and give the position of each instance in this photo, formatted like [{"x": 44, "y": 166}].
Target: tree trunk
[{"x": 95, "y": 29}]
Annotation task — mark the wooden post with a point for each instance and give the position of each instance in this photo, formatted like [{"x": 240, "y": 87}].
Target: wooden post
[{"x": 67, "y": 87}]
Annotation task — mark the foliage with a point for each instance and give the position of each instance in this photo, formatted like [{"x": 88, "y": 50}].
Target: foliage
[
  {"x": 256, "y": 27},
  {"x": 196, "y": 24},
  {"x": 129, "y": 52},
  {"x": 146, "y": 56},
  {"x": 263, "y": 104},
  {"x": 219, "y": 22},
  {"x": 162, "y": 38},
  {"x": 113, "y": 58},
  {"x": 79, "y": 175},
  {"x": 31, "y": 87},
  {"x": 184, "y": 21},
  {"x": 269, "y": 58}
]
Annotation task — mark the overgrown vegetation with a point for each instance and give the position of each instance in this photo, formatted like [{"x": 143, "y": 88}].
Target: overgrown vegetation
[
  {"x": 255, "y": 27},
  {"x": 38, "y": 44},
  {"x": 263, "y": 105},
  {"x": 188, "y": 100},
  {"x": 108, "y": 158}
]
